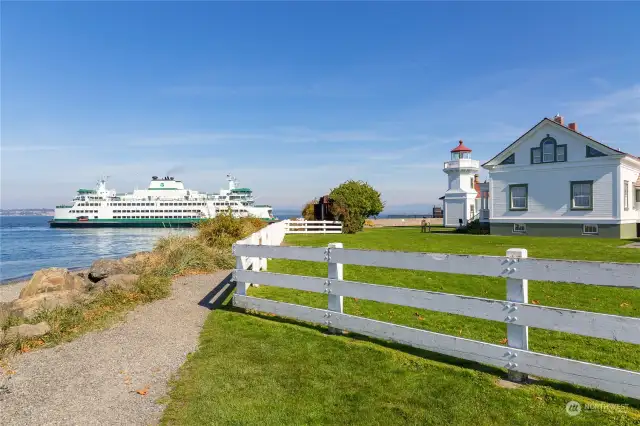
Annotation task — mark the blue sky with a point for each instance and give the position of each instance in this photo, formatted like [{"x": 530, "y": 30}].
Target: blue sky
[{"x": 294, "y": 98}]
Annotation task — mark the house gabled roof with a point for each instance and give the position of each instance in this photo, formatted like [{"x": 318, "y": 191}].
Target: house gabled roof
[{"x": 547, "y": 120}]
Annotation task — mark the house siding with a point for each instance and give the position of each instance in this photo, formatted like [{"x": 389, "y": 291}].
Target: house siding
[
  {"x": 630, "y": 174},
  {"x": 549, "y": 192}
]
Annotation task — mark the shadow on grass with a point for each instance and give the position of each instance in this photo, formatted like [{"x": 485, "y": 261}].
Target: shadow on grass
[
  {"x": 221, "y": 298},
  {"x": 216, "y": 297}
]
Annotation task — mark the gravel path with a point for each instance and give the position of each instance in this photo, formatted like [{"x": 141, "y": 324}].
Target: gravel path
[{"x": 94, "y": 379}]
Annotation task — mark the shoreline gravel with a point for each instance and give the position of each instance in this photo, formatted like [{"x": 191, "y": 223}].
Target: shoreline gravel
[{"x": 113, "y": 376}]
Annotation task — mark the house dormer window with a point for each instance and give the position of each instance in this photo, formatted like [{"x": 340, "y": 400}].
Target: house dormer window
[{"x": 548, "y": 152}]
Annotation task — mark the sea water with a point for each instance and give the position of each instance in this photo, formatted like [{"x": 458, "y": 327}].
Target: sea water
[{"x": 27, "y": 244}]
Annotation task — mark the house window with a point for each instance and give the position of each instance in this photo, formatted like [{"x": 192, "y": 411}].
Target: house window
[
  {"x": 626, "y": 195},
  {"x": 590, "y": 229},
  {"x": 548, "y": 150},
  {"x": 471, "y": 183},
  {"x": 592, "y": 152},
  {"x": 509, "y": 160},
  {"x": 519, "y": 228},
  {"x": 536, "y": 155},
  {"x": 518, "y": 197},
  {"x": 638, "y": 195},
  {"x": 582, "y": 195}
]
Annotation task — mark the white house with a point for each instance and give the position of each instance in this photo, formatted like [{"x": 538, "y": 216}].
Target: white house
[
  {"x": 462, "y": 199},
  {"x": 555, "y": 181}
]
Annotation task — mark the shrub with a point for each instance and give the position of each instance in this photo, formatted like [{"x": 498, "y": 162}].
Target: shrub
[
  {"x": 353, "y": 202},
  {"x": 308, "y": 212},
  {"x": 224, "y": 229}
]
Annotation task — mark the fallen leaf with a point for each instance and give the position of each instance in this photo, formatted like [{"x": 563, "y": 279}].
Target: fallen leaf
[
  {"x": 355, "y": 298},
  {"x": 460, "y": 332},
  {"x": 39, "y": 342},
  {"x": 143, "y": 391},
  {"x": 25, "y": 349},
  {"x": 504, "y": 341},
  {"x": 420, "y": 318},
  {"x": 625, "y": 304},
  {"x": 535, "y": 302}
]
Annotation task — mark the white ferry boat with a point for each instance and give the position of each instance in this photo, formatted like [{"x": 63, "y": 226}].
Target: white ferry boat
[{"x": 165, "y": 203}]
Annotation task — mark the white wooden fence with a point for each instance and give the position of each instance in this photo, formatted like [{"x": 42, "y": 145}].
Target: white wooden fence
[
  {"x": 312, "y": 227},
  {"x": 515, "y": 312}
]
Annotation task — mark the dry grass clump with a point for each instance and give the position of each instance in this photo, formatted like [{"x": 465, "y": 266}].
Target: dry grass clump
[{"x": 208, "y": 251}]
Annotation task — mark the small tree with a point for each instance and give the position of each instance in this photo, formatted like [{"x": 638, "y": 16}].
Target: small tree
[
  {"x": 308, "y": 212},
  {"x": 353, "y": 202}
]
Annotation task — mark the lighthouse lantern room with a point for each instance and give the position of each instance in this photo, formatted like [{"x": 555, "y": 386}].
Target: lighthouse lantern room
[{"x": 460, "y": 198}]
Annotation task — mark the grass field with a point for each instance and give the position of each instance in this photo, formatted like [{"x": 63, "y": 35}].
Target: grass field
[{"x": 254, "y": 369}]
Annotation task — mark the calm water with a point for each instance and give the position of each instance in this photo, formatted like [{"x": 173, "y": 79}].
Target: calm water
[{"x": 28, "y": 244}]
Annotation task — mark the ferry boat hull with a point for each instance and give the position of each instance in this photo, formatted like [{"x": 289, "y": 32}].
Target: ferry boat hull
[
  {"x": 166, "y": 203},
  {"x": 130, "y": 223}
]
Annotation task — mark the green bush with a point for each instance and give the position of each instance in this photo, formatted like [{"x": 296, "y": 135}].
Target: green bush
[{"x": 353, "y": 202}]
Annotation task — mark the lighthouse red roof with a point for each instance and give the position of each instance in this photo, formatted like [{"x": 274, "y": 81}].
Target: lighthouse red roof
[{"x": 460, "y": 148}]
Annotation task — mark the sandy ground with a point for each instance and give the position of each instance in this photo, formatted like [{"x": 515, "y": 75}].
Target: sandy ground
[
  {"x": 9, "y": 292},
  {"x": 114, "y": 376}
]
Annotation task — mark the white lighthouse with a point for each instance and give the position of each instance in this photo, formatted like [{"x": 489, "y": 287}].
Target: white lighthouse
[{"x": 460, "y": 198}]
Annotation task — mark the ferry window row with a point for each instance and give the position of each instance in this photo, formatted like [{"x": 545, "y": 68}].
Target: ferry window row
[
  {"x": 153, "y": 204},
  {"x": 83, "y": 211},
  {"x": 156, "y": 211},
  {"x": 89, "y": 204},
  {"x": 155, "y": 217}
]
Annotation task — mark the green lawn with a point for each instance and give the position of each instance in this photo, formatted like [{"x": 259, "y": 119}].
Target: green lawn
[{"x": 256, "y": 369}]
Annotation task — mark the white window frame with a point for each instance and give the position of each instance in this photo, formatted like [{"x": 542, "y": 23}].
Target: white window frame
[
  {"x": 626, "y": 195},
  {"x": 539, "y": 150},
  {"x": 552, "y": 147},
  {"x": 594, "y": 231},
  {"x": 519, "y": 228},
  {"x": 588, "y": 195}
]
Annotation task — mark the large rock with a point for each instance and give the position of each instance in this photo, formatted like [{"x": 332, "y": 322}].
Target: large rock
[
  {"x": 28, "y": 330},
  {"x": 136, "y": 263},
  {"x": 29, "y": 306},
  {"x": 102, "y": 268},
  {"x": 53, "y": 280},
  {"x": 124, "y": 281}
]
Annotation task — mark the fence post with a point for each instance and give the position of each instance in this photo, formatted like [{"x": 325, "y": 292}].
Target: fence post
[
  {"x": 517, "y": 291},
  {"x": 241, "y": 287},
  {"x": 335, "y": 273}
]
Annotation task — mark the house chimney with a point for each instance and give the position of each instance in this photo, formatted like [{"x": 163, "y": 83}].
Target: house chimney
[
  {"x": 573, "y": 126},
  {"x": 559, "y": 119}
]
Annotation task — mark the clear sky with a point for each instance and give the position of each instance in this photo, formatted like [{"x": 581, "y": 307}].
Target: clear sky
[{"x": 294, "y": 98}]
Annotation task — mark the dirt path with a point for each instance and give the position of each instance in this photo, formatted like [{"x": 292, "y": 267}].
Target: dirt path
[{"x": 94, "y": 379}]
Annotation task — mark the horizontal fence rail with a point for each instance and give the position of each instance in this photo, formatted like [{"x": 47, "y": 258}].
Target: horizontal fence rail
[
  {"x": 580, "y": 272},
  {"x": 313, "y": 227},
  {"x": 515, "y": 311},
  {"x": 612, "y": 327},
  {"x": 609, "y": 379}
]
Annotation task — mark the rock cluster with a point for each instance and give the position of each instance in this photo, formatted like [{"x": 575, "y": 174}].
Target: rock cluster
[{"x": 57, "y": 287}]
